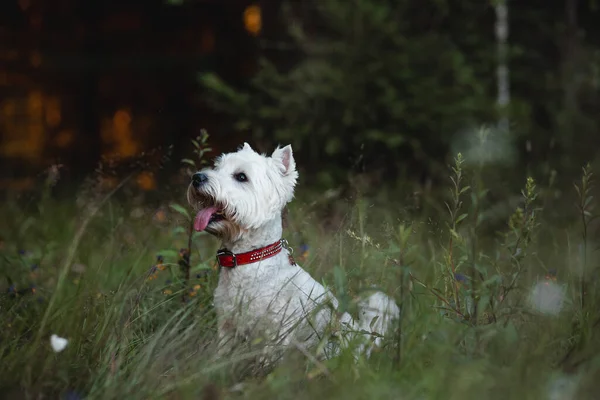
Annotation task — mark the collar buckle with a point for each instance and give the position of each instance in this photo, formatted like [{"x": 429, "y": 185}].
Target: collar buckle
[{"x": 225, "y": 252}]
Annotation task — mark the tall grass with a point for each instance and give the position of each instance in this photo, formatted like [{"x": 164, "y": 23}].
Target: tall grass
[{"x": 131, "y": 291}]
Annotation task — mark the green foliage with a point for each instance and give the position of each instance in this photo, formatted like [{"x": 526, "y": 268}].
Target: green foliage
[
  {"x": 113, "y": 288},
  {"x": 200, "y": 149},
  {"x": 374, "y": 86}
]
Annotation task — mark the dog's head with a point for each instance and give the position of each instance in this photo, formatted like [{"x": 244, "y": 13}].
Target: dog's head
[{"x": 243, "y": 191}]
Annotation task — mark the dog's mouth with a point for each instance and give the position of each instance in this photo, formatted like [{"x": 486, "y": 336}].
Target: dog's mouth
[{"x": 208, "y": 215}]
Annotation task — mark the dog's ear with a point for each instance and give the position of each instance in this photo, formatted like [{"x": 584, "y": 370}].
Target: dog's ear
[
  {"x": 286, "y": 157},
  {"x": 246, "y": 146}
]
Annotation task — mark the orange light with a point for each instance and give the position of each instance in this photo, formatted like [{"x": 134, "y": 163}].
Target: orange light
[
  {"x": 146, "y": 181},
  {"x": 30, "y": 146},
  {"x": 64, "y": 138},
  {"x": 35, "y": 104},
  {"x": 160, "y": 216},
  {"x": 53, "y": 115},
  {"x": 23, "y": 139},
  {"x": 253, "y": 19},
  {"x": 118, "y": 134},
  {"x": 121, "y": 119},
  {"x": 9, "y": 108}
]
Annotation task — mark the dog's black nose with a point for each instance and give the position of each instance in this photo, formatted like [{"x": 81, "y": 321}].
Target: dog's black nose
[{"x": 198, "y": 179}]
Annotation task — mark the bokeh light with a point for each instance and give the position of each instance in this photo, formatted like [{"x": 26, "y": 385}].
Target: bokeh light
[{"x": 253, "y": 19}]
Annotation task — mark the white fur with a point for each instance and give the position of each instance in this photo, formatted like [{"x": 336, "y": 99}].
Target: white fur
[{"x": 272, "y": 299}]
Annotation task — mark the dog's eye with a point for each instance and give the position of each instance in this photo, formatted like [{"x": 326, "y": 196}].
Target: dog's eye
[{"x": 240, "y": 177}]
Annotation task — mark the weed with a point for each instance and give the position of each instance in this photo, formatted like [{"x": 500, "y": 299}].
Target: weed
[{"x": 473, "y": 325}]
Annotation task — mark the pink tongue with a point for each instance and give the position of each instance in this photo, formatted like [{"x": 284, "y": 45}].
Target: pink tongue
[{"x": 202, "y": 218}]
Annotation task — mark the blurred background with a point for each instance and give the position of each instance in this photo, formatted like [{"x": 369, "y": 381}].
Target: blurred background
[{"x": 384, "y": 90}]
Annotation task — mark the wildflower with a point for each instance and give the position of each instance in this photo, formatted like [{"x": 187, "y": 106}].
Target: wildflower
[
  {"x": 551, "y": 275},
  {"x": 78, "y": 268},
  {"x": 168, "y": 281},
  {"x": 547, "y": 297},
  {"x": 58, "y": 344},
  {"x": 160, "y": 216},
  {"x": 12, "y": 291},
  {"x": 515, "y": 221},
  {"x": 194, "y": 290},
  {"x": 153, "y": 272},
  {"x": 460, "y": 278},
  {"x": 167, "y": 291},
  {"x": 33, "y": 289},
  {"x": 303, "y": 252}
]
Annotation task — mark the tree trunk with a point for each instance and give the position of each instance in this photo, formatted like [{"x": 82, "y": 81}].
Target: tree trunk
[
  {"x": 570, "y": 57},
  {"x": 502, "y": 72}
]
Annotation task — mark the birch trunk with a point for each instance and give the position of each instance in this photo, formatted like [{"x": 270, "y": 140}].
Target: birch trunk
[{"x": 502, "y": 72}]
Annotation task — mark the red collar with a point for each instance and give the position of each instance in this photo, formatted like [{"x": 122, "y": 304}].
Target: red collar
[{"x": 226, "y": 258}]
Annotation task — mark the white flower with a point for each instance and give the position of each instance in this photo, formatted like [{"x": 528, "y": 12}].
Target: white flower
[
  {"x": 58, "y": 344},
  {"x": 547, "y": 297}
]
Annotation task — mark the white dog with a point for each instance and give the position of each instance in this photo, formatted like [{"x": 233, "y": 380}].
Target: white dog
[{"x": 262, "y": 294}]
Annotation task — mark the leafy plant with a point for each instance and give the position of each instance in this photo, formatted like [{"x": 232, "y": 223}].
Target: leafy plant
[
  {"x": 200, "y": 149},
  {"x": 370, "y": 88}
]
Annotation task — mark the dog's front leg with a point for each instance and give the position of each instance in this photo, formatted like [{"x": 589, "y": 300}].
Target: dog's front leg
[{"x": 226, "y": 337}]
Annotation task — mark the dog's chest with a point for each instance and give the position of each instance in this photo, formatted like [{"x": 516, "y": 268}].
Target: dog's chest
[{"x": 273, "y": 294}]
